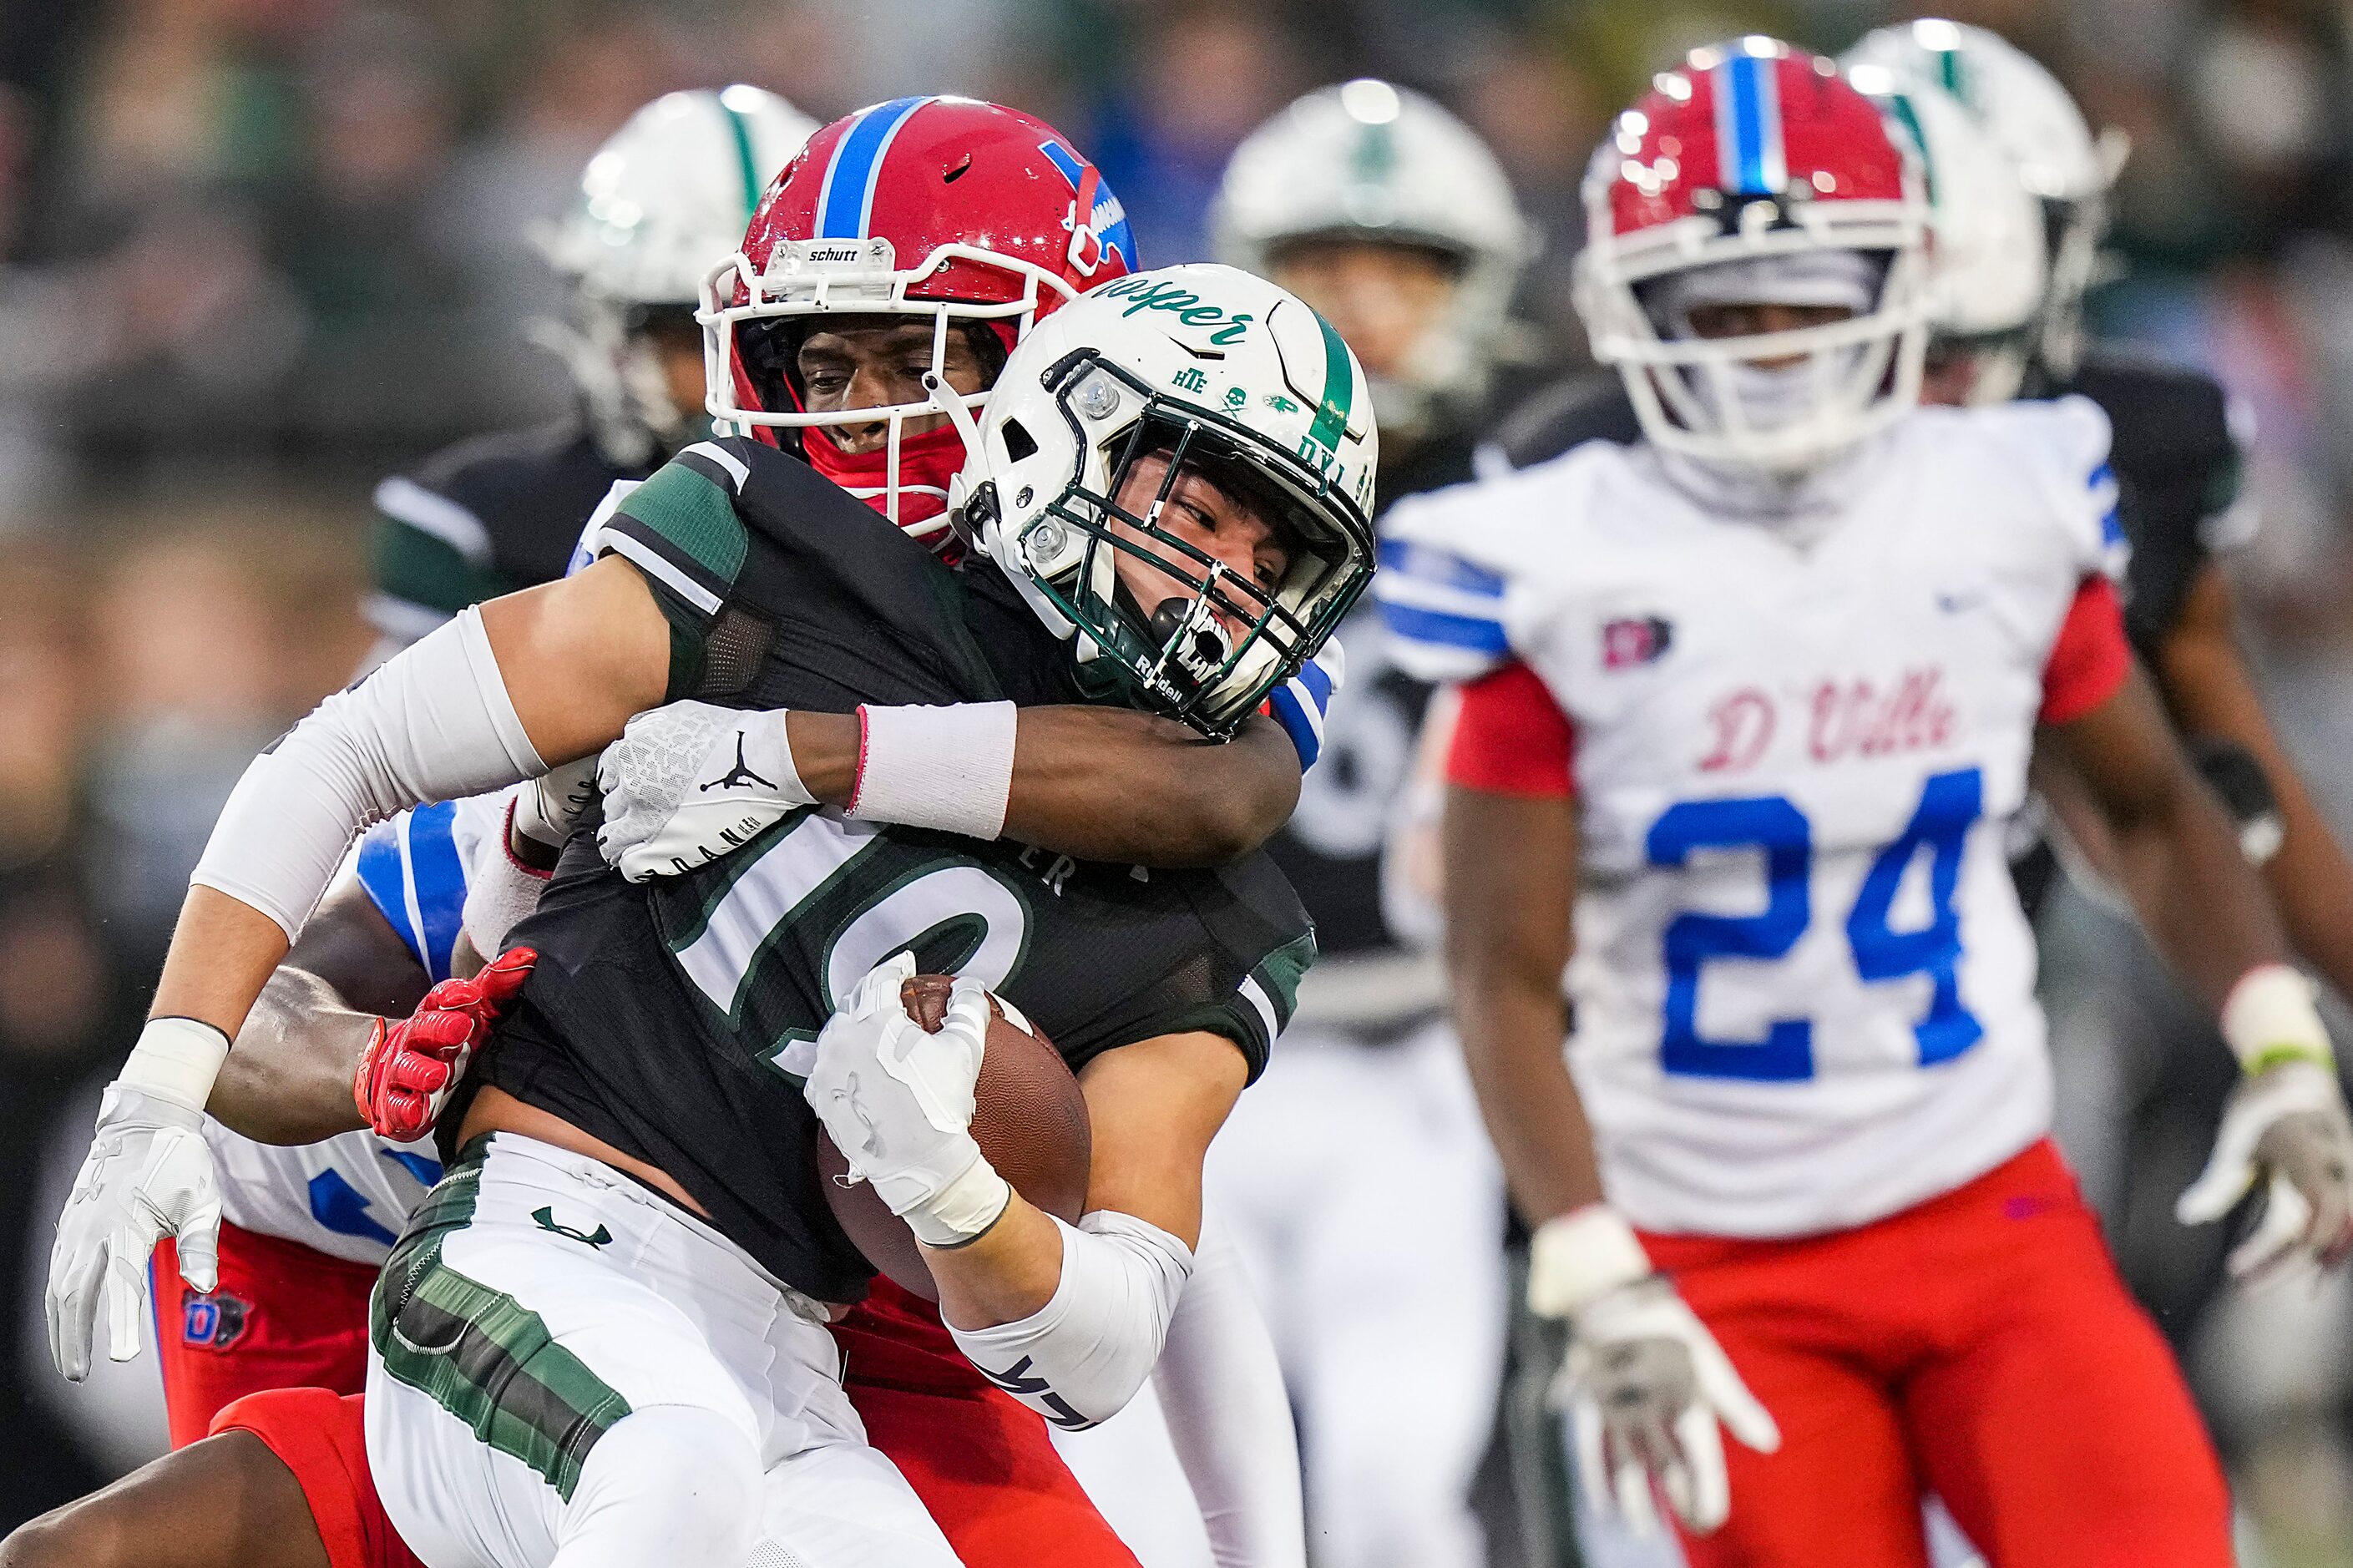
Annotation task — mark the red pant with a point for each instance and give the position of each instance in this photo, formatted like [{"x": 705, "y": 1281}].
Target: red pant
[
  {"x": 1979, "y": 1346},
  {"x": 321, "y": 1437},
  {"x": 982, "y": 1462},
  {"x": 283, "y": 1316}
]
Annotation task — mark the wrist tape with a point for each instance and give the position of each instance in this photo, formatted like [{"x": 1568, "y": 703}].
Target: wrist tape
[
  {"x": 2269, "y": 1016},
  {"x": 1580, "y": 1257},
  {"x": 176, "y": 1059},
  {"x": 946, "y": 768}
]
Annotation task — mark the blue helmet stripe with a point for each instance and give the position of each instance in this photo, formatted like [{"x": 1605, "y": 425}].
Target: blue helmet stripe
[
  {"x": 847, "y": 199},
  {"x": 1748, "y": 126}
]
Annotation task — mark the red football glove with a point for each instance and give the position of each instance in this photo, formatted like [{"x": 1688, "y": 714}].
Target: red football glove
[{"x": 408, "y": 1068}]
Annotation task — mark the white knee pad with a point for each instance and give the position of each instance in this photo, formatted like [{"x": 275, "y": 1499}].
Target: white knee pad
[{"x": 670, "y": 1483}]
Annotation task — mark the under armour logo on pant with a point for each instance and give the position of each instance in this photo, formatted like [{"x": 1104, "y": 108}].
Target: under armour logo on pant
[{"x": 545, "y": 1218}]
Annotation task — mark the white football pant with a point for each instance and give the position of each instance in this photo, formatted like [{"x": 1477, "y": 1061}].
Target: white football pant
[
  {"x": 1359, "y": 1182},
  {"x": 568, "y": 1372}
]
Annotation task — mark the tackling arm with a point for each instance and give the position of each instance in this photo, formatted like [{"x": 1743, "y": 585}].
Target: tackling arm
[
  {"x": 2207, "y": 687},
  {"x": 289, "y": 1079},
  {"x": 1106, "y": 784}
]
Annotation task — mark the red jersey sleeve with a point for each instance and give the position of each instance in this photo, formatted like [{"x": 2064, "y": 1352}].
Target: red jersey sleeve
[
  {"x": 1511, "y": 738},
  {"x": 2091, "y": 657}
]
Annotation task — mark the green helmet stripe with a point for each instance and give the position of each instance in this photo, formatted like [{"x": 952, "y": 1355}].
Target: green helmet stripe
[
  {"x": 1902, "y": 104},
  {"x": 1952, "y": 75},
  {"x": 742, "y": 126},
  {"x": 1339, "y": 392}
]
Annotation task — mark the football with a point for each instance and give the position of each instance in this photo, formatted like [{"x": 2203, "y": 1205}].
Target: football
[{"x": 1029, "y": 1118}]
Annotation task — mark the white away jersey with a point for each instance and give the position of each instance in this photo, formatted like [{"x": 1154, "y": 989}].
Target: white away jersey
[
  {"x": 350, "y": 1196},
  {"x": 1803, "y": 987}
]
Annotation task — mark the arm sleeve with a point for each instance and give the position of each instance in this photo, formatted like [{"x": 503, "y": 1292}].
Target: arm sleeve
[
  {"x": 432, "y": 722},
  {"x": 1228, "y": 1417},
  {"x": 2090, "y": 658},
  {"x": 1080, "y": 1358},
  {"x": 1511, "y": 738}
]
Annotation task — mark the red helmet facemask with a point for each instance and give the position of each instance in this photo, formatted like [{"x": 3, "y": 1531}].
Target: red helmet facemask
[{"x": 944, "y": 209}]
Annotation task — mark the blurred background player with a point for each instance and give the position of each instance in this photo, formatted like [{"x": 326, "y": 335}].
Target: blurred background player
[
  {"x": 1803, "y": 634},
  {"x": 2178, "y": 463},
  {"x": 1984, "y": 289},
  {"x": 1392, "y": 219},
  {"x": 658, "y": 205},
  {"x": 2146, "y": 1100}
]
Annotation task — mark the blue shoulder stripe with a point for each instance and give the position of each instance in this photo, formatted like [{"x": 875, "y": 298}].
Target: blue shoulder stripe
[
  {"x": 387, "y": 883},
  {"x": 1433, "y": 565},
  {"x": 413, "y": 874},
  {"x": 1415, "y": 624}
]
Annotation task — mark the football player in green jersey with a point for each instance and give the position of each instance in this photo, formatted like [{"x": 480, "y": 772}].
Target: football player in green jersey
[{"x": 673, "y": 1025}]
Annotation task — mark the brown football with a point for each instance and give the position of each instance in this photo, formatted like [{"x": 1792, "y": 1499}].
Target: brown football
[{"x": 1029, "y": 1118}]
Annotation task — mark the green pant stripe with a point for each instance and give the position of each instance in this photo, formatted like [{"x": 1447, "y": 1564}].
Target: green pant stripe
[{"x": 481, "y": 1354}]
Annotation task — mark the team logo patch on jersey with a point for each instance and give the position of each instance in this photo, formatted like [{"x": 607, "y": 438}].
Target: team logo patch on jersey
[
  {"x": 213, "y": 1321},
  {"x": 1632, "y": 640}
]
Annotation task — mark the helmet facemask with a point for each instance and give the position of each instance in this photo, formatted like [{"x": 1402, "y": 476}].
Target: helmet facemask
[
  {"x": 755, "y": 322},
  {"x": 1120, "y": 554},
  {"x": 1731, "y": 401}
]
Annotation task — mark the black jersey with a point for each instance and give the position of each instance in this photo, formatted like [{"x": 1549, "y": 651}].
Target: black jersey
[
  {"x": 675, "y": 1020},
  {"x": 483, "y": 518},
  {"x": 1332, "y": 847},
  {"x": 2175, "y": 458}
]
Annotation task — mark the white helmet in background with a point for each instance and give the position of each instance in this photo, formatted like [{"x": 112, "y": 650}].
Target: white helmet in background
[
  {"x": 1188, "y": 371},
  {"x": 662, "y": 201},
  {"x": 2035, "y": 121},
  {"x": 1988, "y": 273},
  {"x": 1371, "y": 162}
]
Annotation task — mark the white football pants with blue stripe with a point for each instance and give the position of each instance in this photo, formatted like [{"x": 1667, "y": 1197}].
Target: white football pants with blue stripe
[{"x": 568, "y": 1372}]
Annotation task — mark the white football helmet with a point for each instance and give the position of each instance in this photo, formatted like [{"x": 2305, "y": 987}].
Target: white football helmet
[
  {"x": 1199, "y": 371},
  {"x": 2060, "y": 159},
  {"x": 665, "y": 198},
  {"x": 1365, "y": 159},
  {"x": 1987, "y": 267}
]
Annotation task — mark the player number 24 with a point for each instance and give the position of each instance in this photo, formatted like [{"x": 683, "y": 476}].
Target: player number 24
[{"x": 1949, "y": 805}]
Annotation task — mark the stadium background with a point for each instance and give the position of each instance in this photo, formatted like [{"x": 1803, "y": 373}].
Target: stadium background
[{"x": 254, "y": 254}]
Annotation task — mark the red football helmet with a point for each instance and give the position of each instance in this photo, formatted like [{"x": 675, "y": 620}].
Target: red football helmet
[
  {"x": 946, "y": 208},
  {"x": 1752, "y": 152}
]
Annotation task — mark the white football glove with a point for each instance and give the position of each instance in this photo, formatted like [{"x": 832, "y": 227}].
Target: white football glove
[
  {"x": 897, "y": 1103},
  {"x": 687, "y": 784},
  {"x": 2287, "y": 1127},
  {"x": 1645, "y": 1383},
  {"x": 148, "y": 1175},
  {"x": 550, "y": 806}
]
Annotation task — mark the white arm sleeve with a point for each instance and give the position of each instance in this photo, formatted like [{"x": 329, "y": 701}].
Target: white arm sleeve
[
  {"x": 432, "y": 722},
  {"x": 1083, "y": 1354},
  {"x": 1228, "y": 1418}
]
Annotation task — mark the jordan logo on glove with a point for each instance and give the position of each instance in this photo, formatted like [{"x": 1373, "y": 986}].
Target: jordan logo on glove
[{"x": 738, "y": 776}]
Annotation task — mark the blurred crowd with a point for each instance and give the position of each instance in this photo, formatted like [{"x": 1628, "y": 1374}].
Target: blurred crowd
[{"x": 255, "y": 254}]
